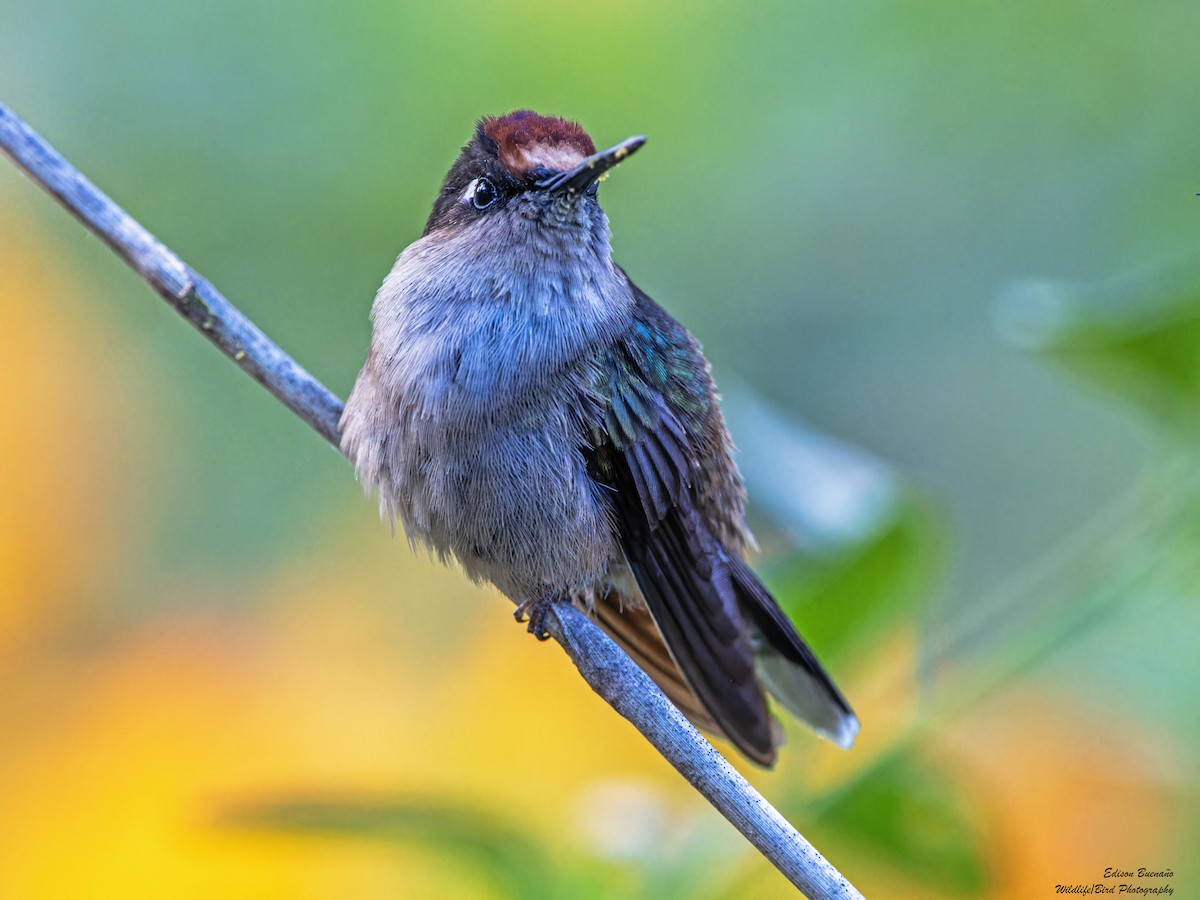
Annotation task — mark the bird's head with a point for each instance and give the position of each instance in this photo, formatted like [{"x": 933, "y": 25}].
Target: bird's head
[{"x": 524, "y": 169}]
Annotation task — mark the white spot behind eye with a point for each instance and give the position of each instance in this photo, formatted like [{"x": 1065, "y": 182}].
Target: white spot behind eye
[{"x": 480, "y": 193}]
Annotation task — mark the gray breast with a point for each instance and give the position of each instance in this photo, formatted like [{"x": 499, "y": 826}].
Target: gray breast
[{"x": 469, "y": 412}]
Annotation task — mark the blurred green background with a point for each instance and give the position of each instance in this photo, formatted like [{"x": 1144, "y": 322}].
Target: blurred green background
[{"x": 957, "y": 238}]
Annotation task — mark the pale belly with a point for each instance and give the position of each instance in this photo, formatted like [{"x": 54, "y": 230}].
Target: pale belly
[{"x": 514, "y": 505}]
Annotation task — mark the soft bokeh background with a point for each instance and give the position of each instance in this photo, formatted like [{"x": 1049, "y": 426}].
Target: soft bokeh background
[{"x": 956, "y": 238}]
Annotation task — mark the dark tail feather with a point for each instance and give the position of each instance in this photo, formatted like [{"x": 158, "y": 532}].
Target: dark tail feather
[
  {"x": 787, "y": 667},
  {"x": 691, "y": 600}
]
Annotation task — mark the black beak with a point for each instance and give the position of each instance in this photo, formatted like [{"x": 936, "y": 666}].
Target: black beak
[{"x": 578, "y": 179}]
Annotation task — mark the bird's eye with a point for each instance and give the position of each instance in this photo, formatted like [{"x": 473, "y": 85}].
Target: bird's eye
[{"x": 482, "y": 193}]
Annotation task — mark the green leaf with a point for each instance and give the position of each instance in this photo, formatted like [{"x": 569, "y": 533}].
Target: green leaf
[
  {"x": 1138, "y": 337},
  {"x": 908, "y": 814},
  {"x": 845, "y": 601},
  {"x": 508, "y": 861}
]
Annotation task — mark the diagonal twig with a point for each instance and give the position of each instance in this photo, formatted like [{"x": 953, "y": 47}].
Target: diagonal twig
[{"x": 609, "y": 671}]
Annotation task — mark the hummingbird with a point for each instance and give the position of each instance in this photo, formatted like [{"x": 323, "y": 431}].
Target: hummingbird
[{"x": 527, "y": 410}]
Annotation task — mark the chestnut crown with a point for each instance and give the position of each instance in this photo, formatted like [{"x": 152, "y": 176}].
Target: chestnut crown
[{"x": 521, "y": 153}]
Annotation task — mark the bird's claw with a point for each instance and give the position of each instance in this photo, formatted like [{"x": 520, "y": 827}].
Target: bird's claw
[{"x": 536, "y": 611}]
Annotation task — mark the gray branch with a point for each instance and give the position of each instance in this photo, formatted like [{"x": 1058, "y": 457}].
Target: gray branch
[{"x": 610, "y": 672}]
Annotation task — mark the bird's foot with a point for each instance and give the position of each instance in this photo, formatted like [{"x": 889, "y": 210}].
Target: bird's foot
[{"x": 536, "y": 610}]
